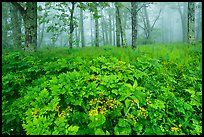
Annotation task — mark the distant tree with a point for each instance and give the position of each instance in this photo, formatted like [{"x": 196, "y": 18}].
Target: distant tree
[
  {"x": 117, "y": 27},
  {"x": 29, "y": 14},
  {"x": 120, "y": 26},
  {"x": 71, "y": 24},
  {"x": 42, "y": 20},
  {"x": 94, "y": 8},
  {"x": 148, "y": 27},
  {"x": 134, "y": 6},
  {"x": 182, "y": 8},
  {"x": 5, "y": 26},
  {"x": 82, "y": 27},
  {"x": 191, "y": 22},
  {"x": 16, "y": 27}
]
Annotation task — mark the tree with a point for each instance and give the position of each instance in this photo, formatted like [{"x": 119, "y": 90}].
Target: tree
[
  {"x": 16, "y": 28},
  {"x": 182, "y": 8},
  {"x": 94, "y": 8},
  {"x": 134, "y": 7},
  {"x": 191, "y": 23},
  {"x": 5, "y": 24},
  {"x": 42, "y": 20},
  {"x": 148, "y": 28},
  {"x": 29, "y": 15},
  {"x": 117, "y": 27},
  {"x": 82, "y": 28},
  {"x": 71, "y": 25},
  {"x": 120, "y": 26}
]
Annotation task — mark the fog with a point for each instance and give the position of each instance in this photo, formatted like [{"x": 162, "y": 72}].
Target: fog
[{"x": 162, "y": 22}]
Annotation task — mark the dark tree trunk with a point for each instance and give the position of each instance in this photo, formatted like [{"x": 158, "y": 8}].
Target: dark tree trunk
[
  {"x": 134, "y": 24},
  {"x": 71, "y": 25},
  {"x": 30, "y": 22}
]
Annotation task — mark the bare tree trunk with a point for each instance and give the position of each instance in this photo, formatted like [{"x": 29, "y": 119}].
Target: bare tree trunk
[
  {"x": 191, "y": 23},
  {"x": 183, "y": 16},
  {"x": 4, "y": 24},
  {"x": 82, "y": 28},
  {"x": 120, "y": 26},
  {"x": 103, "y": 32},
  {"x": 117, "y": 27},
  {"x": 91, "y": 30},
  {"x": 114, "y": 32},
  {"x": 148, "y": 27},
  {"x": 96, "y": 28},
  {"x": 134, "y": 24},
  {"x": 30, "y": 22},
  {"x": 110, "y": 29},
  {"x": 71, "y": 24}
]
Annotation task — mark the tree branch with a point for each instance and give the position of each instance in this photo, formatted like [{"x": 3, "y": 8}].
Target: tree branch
[
  {"x": 156, "y": 20},
  {"x": 141, "y": 7}
]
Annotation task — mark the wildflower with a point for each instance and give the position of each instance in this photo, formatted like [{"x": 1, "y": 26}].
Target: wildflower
[
  {"x": 57, "y": 108},
  {"x": 69, "y": 108},
  {"x": 103, "y": 111},
  {"x": 174, "y": 128},
  {"x": 93, "y": 113},
  {"x": 62, "y": 114},
  {"x": 92, "y": 102},
  {"x": 142, "y": 109},
  {"x": 180, "y": 125}
]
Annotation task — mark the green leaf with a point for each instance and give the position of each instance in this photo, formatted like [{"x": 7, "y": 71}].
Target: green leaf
[
  {"x": 72, "y": 130},
  {"x": 135, "y": 84},
  {"x": 187, "y": 106},
  {"x": 123, "y": 123},
  {"x": 99, "y": 131},
  {"x": 127, "y": 102}
]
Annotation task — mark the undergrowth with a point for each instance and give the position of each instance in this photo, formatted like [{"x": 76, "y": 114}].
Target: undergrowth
[{"x": 155, "y": 89}]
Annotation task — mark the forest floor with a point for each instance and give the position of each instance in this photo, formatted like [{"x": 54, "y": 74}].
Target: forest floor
[{"x": 154, "y": 89}]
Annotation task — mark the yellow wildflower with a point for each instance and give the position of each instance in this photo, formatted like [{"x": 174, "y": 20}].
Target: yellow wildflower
[
  {"x": 57, "y": 108},
  {"x": 93, "y": 113},
  {"x": 180, "y": 125},
  {"x": 69, "y": 108},
  {"x": 174, "y": 128},
  {"x": 143, "y": 109},
  {"x": 92, "y": 102},
  {"x": 62, "y": 114}
]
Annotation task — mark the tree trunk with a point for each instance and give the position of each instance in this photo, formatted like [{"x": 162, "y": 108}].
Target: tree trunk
[
  {"x": 16, "y": 28},
  {"x": 117, "y": 27},
  {"x": 183, "y": 16},
  {"x": 4, "y": 25},
  {"x": 148, "y": 27},
  {"x": 41, "y": 35},
  {"x": 91, "y": 21},
  {"x": 103, "y": 33},
  {"x": 30, "y": 22},
  {"x": 191, "y": 23},
  {"x": 104, "y": 29},
  {"x": 96, "y": 27},
  {"x": 71, "y": 25},
  {"x": 114, "y": 29},
  {"x": 134, "y": 24},
  {"x": 82, "y": 28},
  {"x": 120, "y": 26},
  {"x": 110, "y": 29}
]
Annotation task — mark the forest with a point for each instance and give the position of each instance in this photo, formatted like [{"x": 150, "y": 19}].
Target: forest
[{"x": 101, "y": 68}]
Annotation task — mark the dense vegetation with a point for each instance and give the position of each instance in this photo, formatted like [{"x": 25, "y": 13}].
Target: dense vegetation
[{"x": 155, "y": 89}]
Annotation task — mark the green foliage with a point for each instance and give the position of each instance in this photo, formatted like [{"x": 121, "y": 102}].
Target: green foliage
[{"x": 103, "y": 91}]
